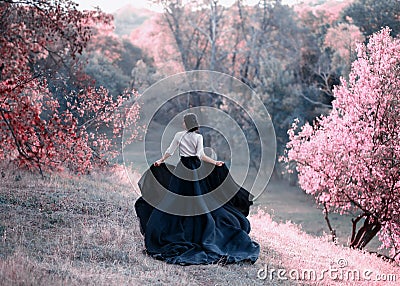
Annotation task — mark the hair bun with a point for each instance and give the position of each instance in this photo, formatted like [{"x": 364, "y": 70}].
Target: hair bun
[{"x": 190, "y": 120}]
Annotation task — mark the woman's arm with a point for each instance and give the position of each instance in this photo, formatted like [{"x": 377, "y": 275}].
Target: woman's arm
[
  {"x": 163, "y": 158},
  {"x": 203, "y": 156},
  {"x": 170, "y": 151},
  {"x": 207, "y": 159}
]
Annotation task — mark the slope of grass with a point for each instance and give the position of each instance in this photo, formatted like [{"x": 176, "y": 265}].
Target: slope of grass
[
  {"x": 289, "y": 203},
  {"x": 297, "y": 254},
  {"x": 84, "y": 231}
]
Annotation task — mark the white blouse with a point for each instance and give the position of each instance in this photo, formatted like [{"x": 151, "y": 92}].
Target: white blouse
[{"x": 190, "y": 144}]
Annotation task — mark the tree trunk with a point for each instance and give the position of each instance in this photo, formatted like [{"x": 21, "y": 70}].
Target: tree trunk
[
  {"x": 366, "y": 233},
  {"x": 333, "y": 231}
]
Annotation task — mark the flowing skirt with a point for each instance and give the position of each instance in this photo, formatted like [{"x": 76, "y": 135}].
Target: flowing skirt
[{"x": 219, "y": 235}]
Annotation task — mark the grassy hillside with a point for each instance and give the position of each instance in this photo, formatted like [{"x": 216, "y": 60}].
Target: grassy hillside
[
  {"x": 83, "y": 231},
  {"x": 290, "y": 203}
]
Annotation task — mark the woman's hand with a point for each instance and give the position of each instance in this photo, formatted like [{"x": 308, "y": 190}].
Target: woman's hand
[
  {"x": 207, "y": 159},
  {"x": 163, "y": 158}
]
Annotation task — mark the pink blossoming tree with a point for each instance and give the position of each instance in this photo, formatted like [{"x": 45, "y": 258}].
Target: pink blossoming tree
[
  {"x": 350, "y": 159},
  {"x": 39, "y": 130}
]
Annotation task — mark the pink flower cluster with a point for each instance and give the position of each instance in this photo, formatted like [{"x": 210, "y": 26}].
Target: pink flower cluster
[
  {"x": 39, "y": 129},
  {"x": 350, "y": 159}
]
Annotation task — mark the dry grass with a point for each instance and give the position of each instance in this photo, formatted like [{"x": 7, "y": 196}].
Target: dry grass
[{"x": 84, "y": 231}]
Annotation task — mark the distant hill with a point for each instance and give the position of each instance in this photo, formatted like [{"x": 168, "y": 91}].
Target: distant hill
[
  {"x": 129, "y": 18},
  {"x": 328, "y": 9}
]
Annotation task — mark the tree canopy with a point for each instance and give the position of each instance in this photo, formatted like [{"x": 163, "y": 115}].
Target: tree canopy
[{"x": 350, "y": 159}]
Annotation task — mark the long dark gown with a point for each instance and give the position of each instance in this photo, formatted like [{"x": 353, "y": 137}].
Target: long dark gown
[{"x": 218, "y": 236}]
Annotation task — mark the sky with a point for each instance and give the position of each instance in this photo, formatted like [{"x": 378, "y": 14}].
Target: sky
[{"x": 111, "y": 6}]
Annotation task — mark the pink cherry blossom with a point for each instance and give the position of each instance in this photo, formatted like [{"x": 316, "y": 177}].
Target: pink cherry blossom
[{"x": 350, "y": 159}]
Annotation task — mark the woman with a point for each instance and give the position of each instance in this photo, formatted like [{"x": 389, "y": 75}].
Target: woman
[{"x": 199, "y": 236}]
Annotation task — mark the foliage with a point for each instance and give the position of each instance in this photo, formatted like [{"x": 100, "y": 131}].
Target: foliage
[
  {"x": 110, "y": 61},
  {"x": 292, "y": 56},
  {"x": 350, "y": 159},
  {"x": 370, "y": 15},
  {"x": 262, "y": 45},
  {"x": 342, "y": 40},
  {"x": 40, "y": 129}
]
